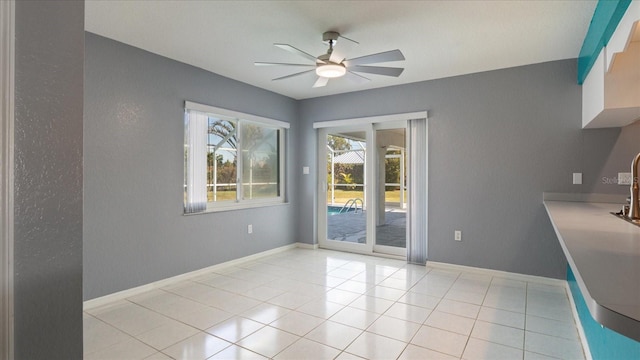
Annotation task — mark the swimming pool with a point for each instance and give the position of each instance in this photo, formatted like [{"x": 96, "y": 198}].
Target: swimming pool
[{"x": 334, "y": 210}]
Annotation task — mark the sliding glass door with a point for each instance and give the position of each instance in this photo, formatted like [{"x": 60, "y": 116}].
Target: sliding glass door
[
  {"x": 391, "y": 189},
  {"x": 344, "y": 187},
  {"x": 362, "y": 188}
]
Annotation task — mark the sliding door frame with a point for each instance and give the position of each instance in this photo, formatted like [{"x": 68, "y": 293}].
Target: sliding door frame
[{"x": 369, "y": 125}]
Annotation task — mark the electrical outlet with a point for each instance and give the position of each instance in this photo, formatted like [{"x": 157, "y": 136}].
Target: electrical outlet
[
  {"x": 305, "y": 170},
  {"x": 457, "y": 235},
  {"x": 249, "y": 229},
  {"x": 577, "y": 178}
]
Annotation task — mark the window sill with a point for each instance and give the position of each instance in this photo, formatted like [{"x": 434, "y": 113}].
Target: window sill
[{"x": 238, "y": 206}]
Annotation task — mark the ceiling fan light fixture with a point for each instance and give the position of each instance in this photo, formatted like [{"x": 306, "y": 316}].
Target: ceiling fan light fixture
[{"x": 331, "y": 70}]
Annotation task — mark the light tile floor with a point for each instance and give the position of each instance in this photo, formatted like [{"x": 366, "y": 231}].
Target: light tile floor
[{"x": 318, "y": 304}]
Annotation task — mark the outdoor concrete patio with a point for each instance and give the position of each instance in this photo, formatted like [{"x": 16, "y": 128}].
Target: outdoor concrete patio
[{"x": 351, "y": 227}]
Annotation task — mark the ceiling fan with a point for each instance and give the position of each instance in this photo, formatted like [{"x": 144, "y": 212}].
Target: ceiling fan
[{"x": 331, "y": 65}]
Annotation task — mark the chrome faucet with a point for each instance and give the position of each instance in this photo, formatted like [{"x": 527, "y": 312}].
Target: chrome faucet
[{"x": 634, "y": 206}]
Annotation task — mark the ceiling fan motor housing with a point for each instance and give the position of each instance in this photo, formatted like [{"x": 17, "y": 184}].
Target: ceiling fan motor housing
[{"x": 330, "y": 37}]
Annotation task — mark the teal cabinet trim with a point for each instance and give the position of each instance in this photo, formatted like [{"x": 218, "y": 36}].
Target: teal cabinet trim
[
  {"x": 604, "y": 22},
  {"x": 603, "y": 343}
]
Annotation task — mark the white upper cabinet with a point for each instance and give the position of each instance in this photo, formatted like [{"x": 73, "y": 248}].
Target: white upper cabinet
[{"x": 611, "y": 90}]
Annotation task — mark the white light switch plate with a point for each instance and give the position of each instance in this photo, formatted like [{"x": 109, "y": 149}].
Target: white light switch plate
[
  {"x": 624, "y": 178},
  {"x": 577, "y": 178},
  {"x": 305, "y": 170}
]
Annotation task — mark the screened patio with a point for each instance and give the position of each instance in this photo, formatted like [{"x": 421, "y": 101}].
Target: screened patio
[{"x": 346, "y": 184}]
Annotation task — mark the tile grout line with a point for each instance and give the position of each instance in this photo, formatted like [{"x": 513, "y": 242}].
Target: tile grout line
[{"x": 369, "y": 286}]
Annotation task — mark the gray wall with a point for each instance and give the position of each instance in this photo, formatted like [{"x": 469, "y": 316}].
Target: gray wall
[
  {"x": 135, "y": 231},
  {"x": 497, "y": 141},
  {"x": 618, "y": 148},
  {"x": 48, "y": 179}
]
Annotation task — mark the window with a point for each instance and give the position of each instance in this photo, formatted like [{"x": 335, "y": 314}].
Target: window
[{"x": 232, "y": 160}]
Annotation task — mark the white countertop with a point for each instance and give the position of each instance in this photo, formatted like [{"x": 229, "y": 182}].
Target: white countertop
[{"x": 604, "y": 254}]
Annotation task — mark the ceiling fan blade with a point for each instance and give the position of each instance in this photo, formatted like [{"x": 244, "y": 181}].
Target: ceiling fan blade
[
  {"x": 298, "y": 52},
  {"x": 336, "y": 57},
  {"x": 292, "y": 75},
  {"x": 353, "y": 41},
  {"x": 393, "y": 55},
  {"x": 356, "y": 78},
  {"x": 379, "y": 70},
  {"x": 322, "y": 81},
  {"x": 258, "y": 63}
]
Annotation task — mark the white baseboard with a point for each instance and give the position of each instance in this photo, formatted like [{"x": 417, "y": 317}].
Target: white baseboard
[
  {"x": 121, "y": 295},
  {"x": 576, "y": 318},
  {"x": 307, "y": 246},
  {"x": 498, "y": 273}
]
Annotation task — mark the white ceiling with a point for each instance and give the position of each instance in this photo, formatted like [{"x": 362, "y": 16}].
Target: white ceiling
[{"x": 438, "y": 38}]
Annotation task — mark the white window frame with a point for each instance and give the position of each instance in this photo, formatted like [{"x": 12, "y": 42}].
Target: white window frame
[{"x": 243, "y": 118}]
